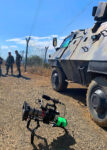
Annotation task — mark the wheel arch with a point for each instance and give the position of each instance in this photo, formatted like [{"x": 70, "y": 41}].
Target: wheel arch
[{"x": 94, "y": 75}]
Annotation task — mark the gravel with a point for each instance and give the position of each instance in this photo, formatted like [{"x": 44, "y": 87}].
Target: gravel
[{"x": 82, "y": 133}]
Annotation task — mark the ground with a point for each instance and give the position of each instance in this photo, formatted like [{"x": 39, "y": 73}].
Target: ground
[{"x": 83, "y": 133}]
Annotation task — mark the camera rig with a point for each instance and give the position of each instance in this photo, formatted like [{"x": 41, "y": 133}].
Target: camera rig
[{"x": 48, "y": 114}]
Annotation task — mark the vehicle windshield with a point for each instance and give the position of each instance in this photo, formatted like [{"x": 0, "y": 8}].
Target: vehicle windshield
[{"x": 66, "y": 41}]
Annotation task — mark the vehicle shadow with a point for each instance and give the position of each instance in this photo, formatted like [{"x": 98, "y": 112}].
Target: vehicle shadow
[
  {"x": 61, "y": 143},
  {"x": 105, "y": 129},
  {"x": 77, "y": 93}
]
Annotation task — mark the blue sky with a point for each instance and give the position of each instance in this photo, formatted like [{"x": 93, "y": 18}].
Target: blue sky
[{"x": 43, "y": 19}]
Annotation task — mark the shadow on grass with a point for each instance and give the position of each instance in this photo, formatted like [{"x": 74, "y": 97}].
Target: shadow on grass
[
  {"x": 61, "y": 143},
  {"x": 24, "y": 77},
  {"x": 3, "y": 75},
  {"x": 77, "y": 93}
]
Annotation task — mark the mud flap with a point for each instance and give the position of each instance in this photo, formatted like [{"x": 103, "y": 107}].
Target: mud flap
[{"x": 83, "y": 72}]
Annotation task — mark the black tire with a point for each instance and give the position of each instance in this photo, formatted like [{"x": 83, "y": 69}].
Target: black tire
[
  {"x": 97, "y": 100},
  {"x": 58, "y": 80}
]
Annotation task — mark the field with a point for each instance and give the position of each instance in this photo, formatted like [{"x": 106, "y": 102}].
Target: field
[{"x": 83, "y": 133}]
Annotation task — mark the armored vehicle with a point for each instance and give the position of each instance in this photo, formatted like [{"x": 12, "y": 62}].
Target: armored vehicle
[{"x": 82, "y": 58}]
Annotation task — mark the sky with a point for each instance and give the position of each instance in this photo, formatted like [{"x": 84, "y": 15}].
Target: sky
[{"x": 42, "y": 20}]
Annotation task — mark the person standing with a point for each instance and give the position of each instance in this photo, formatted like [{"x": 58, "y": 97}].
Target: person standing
[
  {"x": 18, "y": 62},
  {"x": 1, "y": 61},
  {"x": 9, "y": 63}
]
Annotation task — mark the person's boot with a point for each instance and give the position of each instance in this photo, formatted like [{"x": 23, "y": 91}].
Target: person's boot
[
  {"x": 11, "y": 73},
  {"x": 7, "y": 70},
  {"x": 6, "y": 74},
  {"x": 19, "y": 75}
]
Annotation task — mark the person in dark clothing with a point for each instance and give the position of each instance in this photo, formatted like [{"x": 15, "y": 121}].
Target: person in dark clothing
[
  {"x": 9, "y": 63},
  {"x": 1, "y": 61},
  {"x": 18, "y": 62}
]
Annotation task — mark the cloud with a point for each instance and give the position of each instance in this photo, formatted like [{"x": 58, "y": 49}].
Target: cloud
[
  {"x": 37, "y": 44},
  {"x": 41, "y": 44},
  {"x": 4, "y": 47},
  {"x": 40, "y": 38},
  {"x": 13, "y": 46},
  {"x": 34, "y": 42},
  {"x": 62, "y": 37},
  {"x": 13, "y": 40},
  {"x": 17, "y": 40},
  {"x": 54, "y": 35}
]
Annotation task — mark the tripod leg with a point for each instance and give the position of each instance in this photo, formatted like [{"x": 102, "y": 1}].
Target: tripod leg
[
  {"x": 32, "y": 137},
  {"x": 28, "y": 124},
  {"x": 33, "y": 131}
]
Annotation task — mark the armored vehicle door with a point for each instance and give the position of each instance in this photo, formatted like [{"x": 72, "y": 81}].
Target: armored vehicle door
[
  {"x": 66, "y": 61},
  {"x": 72, "y": 46}
]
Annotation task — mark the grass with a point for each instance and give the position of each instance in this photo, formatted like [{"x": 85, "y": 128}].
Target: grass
[
  {"x": 40, "y": 70},
  {"x": 35, "y": 66}
]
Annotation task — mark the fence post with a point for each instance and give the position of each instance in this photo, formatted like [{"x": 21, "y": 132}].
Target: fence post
[
  {"x": 46, "y": 49},
  {"x": 27, "y": 45}
]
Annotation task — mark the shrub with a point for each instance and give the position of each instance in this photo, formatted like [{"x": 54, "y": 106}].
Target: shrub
[{"x": 35, "y": 61}]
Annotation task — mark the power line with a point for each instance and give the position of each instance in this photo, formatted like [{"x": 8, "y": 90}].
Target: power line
[
  {"x": 77, "y": 16},
  {"x": 32, "y": 28},
  {"x": 35, "y": 17}
]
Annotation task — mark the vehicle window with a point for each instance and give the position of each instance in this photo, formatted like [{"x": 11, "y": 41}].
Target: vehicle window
[{"x": 66, "y": 42}]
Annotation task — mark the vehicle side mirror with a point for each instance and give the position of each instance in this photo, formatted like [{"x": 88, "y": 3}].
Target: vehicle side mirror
[
  {"x": 94, "y": 11},
  {"x": 54, "y": 42},
  {"x": 57, "y": 48}
]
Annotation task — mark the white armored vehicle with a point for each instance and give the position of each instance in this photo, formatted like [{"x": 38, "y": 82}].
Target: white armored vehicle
[{"x": 82, "y": 58}]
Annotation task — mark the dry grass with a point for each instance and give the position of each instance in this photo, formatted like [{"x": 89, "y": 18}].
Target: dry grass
[
  {"x": 38, "y": 70},
  {"x": 83, "y": 134}
]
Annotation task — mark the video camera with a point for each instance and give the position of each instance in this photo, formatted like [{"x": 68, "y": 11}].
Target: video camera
[{"x": 47, "y": 114}]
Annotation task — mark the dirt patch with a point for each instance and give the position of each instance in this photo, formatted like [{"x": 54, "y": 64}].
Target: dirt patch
[{"x": 83, "y": 133}]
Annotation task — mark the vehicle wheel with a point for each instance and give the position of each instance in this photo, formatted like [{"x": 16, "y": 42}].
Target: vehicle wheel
[
  {"x": 58, "y": 80},
  {"x": 97, "y": 100}
]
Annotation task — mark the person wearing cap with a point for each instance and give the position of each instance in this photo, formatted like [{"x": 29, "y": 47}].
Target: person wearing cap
[
  {"x": 18, "y": 62},
  {"x": 9, "y": 63}
]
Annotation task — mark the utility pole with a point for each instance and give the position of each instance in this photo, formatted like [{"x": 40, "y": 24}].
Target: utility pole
[
  {"x": 46, "y": 49},
  {"x": 27, "y": 45}
]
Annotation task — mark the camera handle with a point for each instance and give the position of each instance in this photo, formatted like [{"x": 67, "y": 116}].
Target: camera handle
[
  {"x": 51, "y": 105},
  {"x": 33, "y": 130}
]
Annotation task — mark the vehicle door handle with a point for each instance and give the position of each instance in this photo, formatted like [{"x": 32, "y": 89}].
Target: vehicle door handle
[{"x": 85, "y": 49}]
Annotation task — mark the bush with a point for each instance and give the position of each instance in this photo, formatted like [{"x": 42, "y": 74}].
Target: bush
[
  {"x": 46, "y": 65},
  {"x": 35, "y": 61}
]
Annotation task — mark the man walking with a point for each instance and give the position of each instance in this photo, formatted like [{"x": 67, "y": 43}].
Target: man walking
[
  {"x": 9, "y": 63},
  {"x": 18, "y": 62}
]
